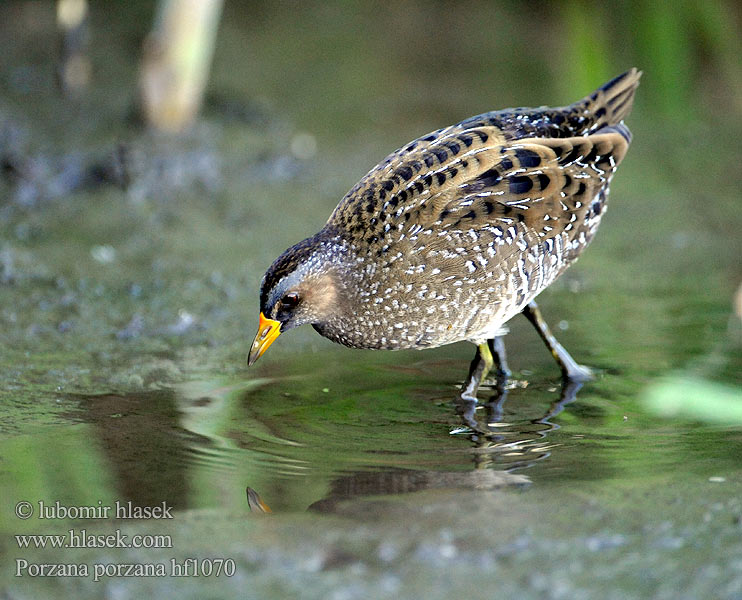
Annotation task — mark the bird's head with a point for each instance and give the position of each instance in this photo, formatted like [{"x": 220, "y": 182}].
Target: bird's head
[{"x": 300, "y": 287}]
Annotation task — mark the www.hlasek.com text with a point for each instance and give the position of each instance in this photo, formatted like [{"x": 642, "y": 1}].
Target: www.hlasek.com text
[{"x": 82, "y": 539}]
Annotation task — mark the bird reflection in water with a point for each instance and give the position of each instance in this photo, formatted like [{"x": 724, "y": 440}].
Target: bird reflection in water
[
  {"x": 255, "y": 503},
  {"x": 518, "y": 445},
  {"x": 498, "y": 449}
]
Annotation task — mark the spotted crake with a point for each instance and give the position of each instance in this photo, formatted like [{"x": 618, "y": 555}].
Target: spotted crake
[{"x": 455, "y": 233}]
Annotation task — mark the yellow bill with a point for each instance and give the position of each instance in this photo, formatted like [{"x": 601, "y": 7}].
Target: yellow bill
[{"x": 268, "y": 331}]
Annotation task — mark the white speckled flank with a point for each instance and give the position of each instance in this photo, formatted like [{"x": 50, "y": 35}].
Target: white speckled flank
[{"x": 452, "y": 235}]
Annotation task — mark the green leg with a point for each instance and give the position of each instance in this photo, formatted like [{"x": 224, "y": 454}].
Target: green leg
[
  {"x": 478, "y": 370},
  {"x": 571, "y": 371},
  {"x": 490, "y": 354}
]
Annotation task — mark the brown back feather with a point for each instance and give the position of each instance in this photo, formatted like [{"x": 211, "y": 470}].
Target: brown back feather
[{"x": 470, "y": 175}]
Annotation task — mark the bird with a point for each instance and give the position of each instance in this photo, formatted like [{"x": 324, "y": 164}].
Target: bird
[{"x": 455, "y": 233}]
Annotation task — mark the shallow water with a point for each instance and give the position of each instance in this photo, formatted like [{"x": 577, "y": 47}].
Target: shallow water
[
  {"x": 126, "y": 316},
  {"x": 602, "y": 495}
]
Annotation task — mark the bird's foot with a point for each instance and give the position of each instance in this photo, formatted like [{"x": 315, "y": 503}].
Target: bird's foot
[{"x": 577, "y": 374}]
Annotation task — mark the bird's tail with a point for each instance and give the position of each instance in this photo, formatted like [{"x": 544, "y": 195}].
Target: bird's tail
[{"x": 611, "y": 103}]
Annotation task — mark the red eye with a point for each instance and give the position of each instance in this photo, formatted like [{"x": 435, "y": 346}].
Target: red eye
[{"x": 290, "y": 300}]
